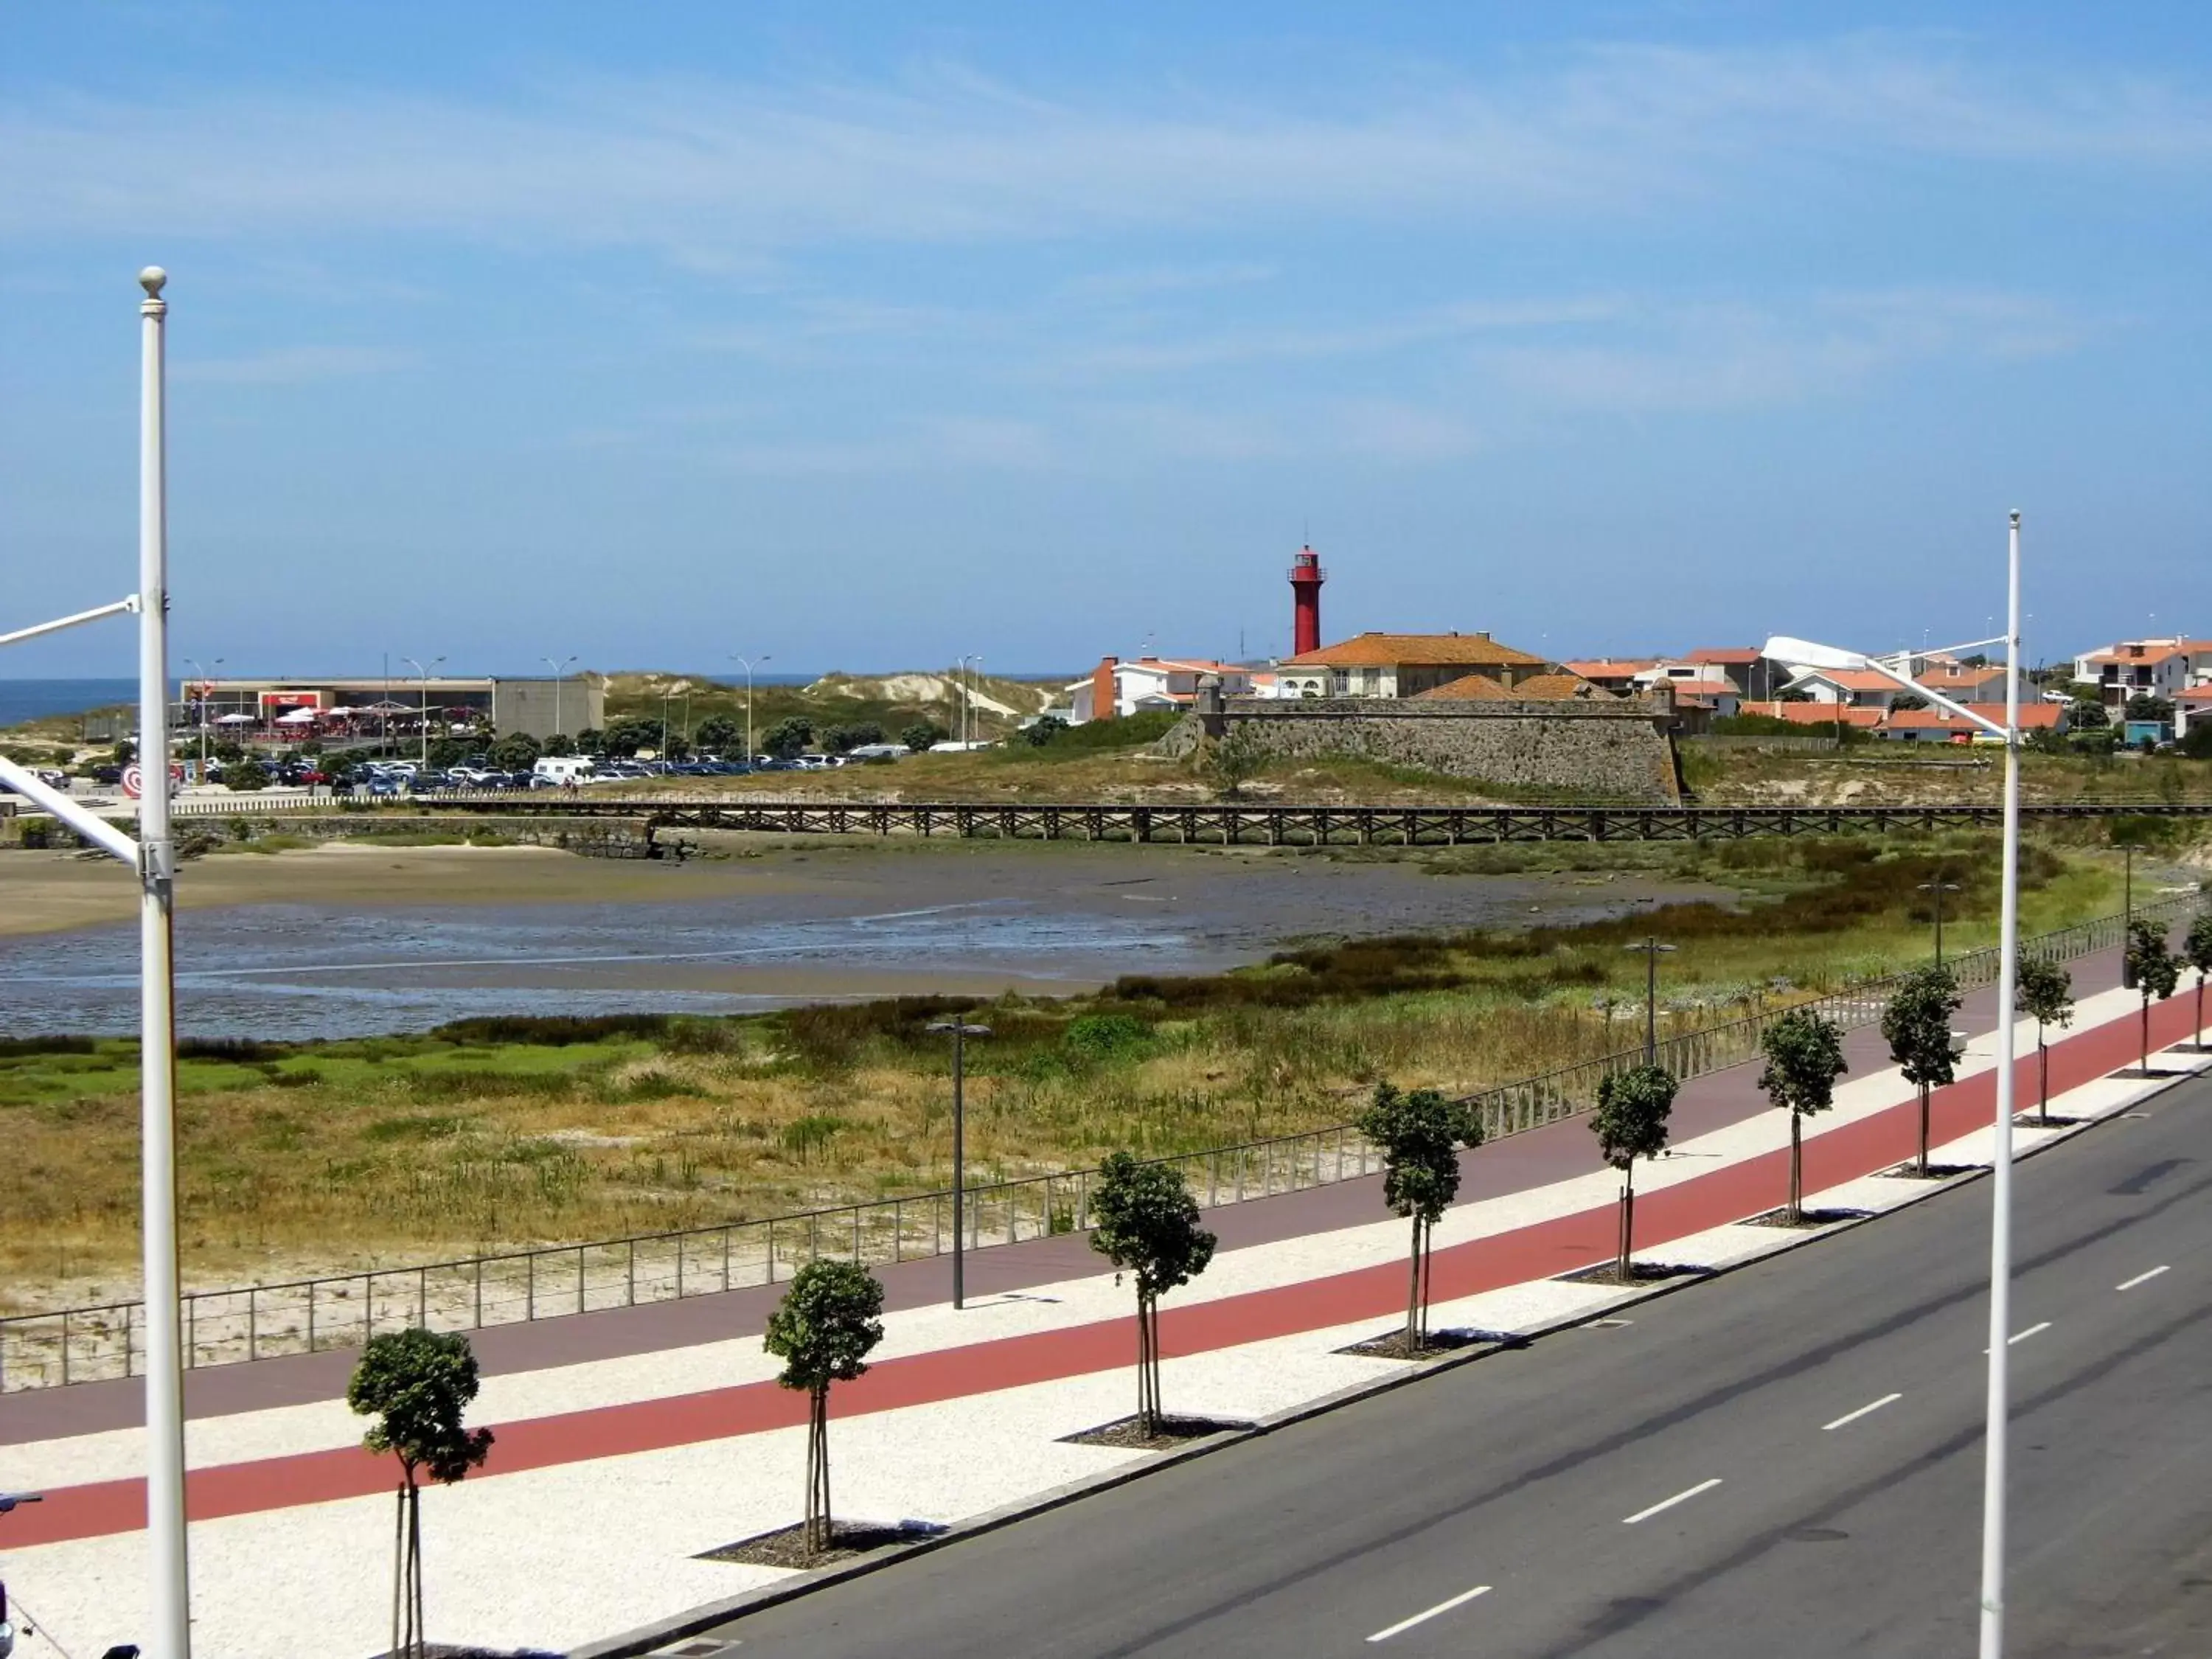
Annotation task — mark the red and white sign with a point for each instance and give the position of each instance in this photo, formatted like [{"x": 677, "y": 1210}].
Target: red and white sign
[{"x": 134, "y": 781}]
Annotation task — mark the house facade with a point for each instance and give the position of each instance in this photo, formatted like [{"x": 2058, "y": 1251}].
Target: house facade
[
  {"x": 1116, "y": 688},
  {"x": 2134, "y": 668},
  {"x": 1399, "y": 665}
]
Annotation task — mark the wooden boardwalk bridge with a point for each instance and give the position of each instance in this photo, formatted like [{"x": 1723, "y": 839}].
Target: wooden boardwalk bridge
[{"x": 1274, "y": 825}]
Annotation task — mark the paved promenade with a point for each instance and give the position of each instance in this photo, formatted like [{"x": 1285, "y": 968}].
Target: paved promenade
[{"x": 629, "y": 1444}]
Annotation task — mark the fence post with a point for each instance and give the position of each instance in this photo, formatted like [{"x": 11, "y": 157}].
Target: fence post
[
  {"x": 479, "y": 1321},
  {"x": 65, "y": 1346},
  {"x": 310, "y": 1314},
  {"x": 252, "y": 1325},
  {"x": 530, "y": 1274},
  {"x": 422, "y": 1297},
  {"x": 726, "y": 1259},
  {"x": 856, "y": 1234},
  {"x": 679, "y": 1266}
]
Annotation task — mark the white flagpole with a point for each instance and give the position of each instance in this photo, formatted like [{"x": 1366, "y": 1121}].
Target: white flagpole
[
  {"x": 170, "y": 1636},
  {"x": 1993, "y": 1471}
]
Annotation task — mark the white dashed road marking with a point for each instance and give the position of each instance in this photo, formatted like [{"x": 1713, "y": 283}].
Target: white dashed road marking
[
  {"x": 1459, "y": 1600},
  {"x": 2140, "y": 1278},
  {"x": 1853, "y": 1416},
  {"x": 1668, "y": 1503}
]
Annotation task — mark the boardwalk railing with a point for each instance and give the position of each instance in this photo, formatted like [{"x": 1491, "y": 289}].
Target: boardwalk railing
[
  {"x": 1202, "y": 824},
  {"x": 309, "y": 1316}
]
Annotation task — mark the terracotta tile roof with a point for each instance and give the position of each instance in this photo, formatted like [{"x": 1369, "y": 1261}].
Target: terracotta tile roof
[
  {"x": 1540, "y": 688},
  {"x": 1376, "y": 650},
  {"x": 2145, "y": 657},
  {"x": 1610, "y": 668},
  {"x": 2033, "y": 716},
  {"x": 1815, "y": 713},
  {"x": 2195, "y": 696},
  {"x": 1559, "y": 686},
  {"x": 1467, "y": 688},
  {"x": 1853, "y": 679}
]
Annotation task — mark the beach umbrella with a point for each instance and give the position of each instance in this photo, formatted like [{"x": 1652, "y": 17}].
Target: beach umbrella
[
  {"x": 298, "y": 717},
  {"x": 234, "y": 720}
]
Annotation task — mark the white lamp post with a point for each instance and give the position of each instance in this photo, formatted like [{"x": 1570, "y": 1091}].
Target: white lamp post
[
  {"x": 748, "y": 662},
  {"x": 560, "y": 673},
  {"x": 203, "y": 673},
  {"x": 1797, "y": 651},
  {"x": 153, "y": 856},
  {"x": 422, "y": 677}
]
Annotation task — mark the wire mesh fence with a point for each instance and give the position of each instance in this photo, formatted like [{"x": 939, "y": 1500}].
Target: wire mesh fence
[{"x": 311, "y": 1316}]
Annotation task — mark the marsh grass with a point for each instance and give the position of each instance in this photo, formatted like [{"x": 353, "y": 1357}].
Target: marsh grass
[{"x": 493, "y": 1133}]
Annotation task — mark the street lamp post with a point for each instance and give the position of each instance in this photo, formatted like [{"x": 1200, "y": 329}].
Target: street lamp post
[
  {"x": 422, "y": 675},
  {"x": 749, "y": 662},
  {"x": 560, "y": 673},
  {"x": 154, "y": 856},
  {"x": 1938, "y": 887},
  {"x": 203, "y": 674},
  {"x": 1995, "y": 1427},
  {"x": 1651, "y": 949},
  {"x": 960, "y": 1031},
  {"x": 960, "y": 705}
]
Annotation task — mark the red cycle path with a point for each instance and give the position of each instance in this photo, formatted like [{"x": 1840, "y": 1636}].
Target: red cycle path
[{"x": 1560, "y": 1245}]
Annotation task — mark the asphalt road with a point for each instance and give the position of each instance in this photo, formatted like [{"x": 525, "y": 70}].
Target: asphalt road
[{"x": 1816, "y": 1420}]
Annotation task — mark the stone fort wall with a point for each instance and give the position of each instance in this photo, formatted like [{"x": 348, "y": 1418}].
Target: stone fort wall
[{"x": 1620, "y": 749}]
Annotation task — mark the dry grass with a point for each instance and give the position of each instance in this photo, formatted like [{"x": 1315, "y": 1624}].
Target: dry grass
[{"x": 340, "y": 1155}]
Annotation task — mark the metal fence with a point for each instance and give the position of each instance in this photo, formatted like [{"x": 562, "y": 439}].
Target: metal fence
[{"x": 309, "y": 1316}]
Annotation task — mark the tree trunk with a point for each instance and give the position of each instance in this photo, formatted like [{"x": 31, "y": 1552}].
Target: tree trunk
[
  {"x": 2200, "y": 1011},
  {"x": 819, "y": 1525},
  {"x": 2146, "y": 1034},
  {"x": 1923, "y": 1128},
  {"x": 1413, "y": 1293},
  {"x": 1796, "y": 1168},
  {"x": 398, "y": 1561},
  {"x": 418, "y": 1635},
  {"x": 1627, "y": 1224},
  {"x": 1428, "y": 1275}
]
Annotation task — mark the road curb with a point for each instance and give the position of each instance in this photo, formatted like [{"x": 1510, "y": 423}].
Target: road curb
[{"x": 648, "y": 1639}]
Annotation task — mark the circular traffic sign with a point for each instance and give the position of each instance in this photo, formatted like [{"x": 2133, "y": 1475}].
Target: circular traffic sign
[{"x": 133, "y": 781}]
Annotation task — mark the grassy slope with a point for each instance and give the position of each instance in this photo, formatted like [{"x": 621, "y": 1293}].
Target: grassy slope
[{"x": 297, "y": 1160}]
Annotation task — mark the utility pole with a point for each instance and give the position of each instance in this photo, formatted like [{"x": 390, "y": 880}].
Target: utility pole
[
  {"x": 1651, "y": 949},
  {"x": 960, "y": 1031},
  {"x": 203, "y": 674},
  {"x": 422, "y": 675},
  {"x": 748, "y": 662},
  {"x": 560, "y": 673},
  {"x": 1939, "y": 887}
]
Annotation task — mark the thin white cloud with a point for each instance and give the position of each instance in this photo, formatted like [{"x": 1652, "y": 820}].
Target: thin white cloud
[
  {"x": 715, "y": 173},
  {"x": 1366, "y": 339},
  {"x": 1720, "y": 357},
  {"x": 289, "y": 366}
]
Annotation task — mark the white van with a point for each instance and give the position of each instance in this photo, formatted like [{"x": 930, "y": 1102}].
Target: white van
[{"x": 564, "y": 768}]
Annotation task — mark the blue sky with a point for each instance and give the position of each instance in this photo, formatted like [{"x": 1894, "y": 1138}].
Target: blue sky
[{"x": 872, "y": 336}]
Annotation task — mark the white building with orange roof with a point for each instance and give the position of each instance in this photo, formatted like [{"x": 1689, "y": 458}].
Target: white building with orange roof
[
  {"x": 1378, "y": 665},
  {"x": 2136, "y": 668},
  {"x": 1116, "y": 688}
]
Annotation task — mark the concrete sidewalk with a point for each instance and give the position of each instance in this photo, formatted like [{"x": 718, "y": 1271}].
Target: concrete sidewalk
[{"x": 669, "y": 1453}]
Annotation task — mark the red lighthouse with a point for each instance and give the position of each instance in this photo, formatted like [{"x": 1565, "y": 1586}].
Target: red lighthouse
[{"x": 1306, "y": 577}]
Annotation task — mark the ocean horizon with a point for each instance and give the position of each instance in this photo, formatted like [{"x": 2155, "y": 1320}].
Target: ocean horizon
[{"x": 24, "y": 700}]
